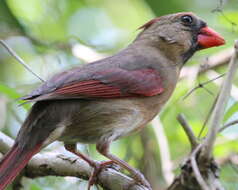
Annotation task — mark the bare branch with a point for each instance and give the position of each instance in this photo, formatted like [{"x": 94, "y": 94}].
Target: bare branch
[
  {"x": 207, "y": 117},
  {"x": 60, "y": 165},
  {"x": 212, "y": 62},
  {"x": 196, "y": 170},
  {"x": 219, "y": 108},
  {"x": 192, "y": 139},
  {"x": 228, "y": 125},
  {"x": 20, "y": 60}
]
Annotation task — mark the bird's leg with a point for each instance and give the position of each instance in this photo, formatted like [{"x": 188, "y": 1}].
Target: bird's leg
[
  {"x": 103, "y": 148},
  {"x": 98, "y": 166}
]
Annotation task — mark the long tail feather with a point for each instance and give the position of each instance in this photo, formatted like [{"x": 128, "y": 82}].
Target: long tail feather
[{"x": 13, "y": 162}]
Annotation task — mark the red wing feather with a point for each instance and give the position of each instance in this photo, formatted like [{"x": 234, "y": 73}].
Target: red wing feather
[
  {"x": 110, "y": 83},
  {"x": 90, "y": 88},
  {"x": 115, "y": 84}
]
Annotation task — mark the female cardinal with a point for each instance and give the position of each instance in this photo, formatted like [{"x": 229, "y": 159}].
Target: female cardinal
[{"x": 111, "y": 98}]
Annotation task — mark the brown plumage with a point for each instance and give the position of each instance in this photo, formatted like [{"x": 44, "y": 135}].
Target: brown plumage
[{"x": 111, "y": 98}]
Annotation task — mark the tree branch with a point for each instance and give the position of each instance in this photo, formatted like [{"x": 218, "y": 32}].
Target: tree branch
[
  {"x": 213, "y": 62},
  {"x": 188, "y": 131},
  {"x": 219, "y": 108},
  {"x": 196, "y": 169},
  {"x": 228, "y": 125},
  {"x": 60, "y": 165}
]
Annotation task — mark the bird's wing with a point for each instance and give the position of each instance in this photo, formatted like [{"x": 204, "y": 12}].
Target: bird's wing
[{"x": 110, "y": 83}]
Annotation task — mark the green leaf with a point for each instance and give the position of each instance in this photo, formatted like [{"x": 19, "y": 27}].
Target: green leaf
[
  {"x": 233, "y": 109},
  {"x": 229, "y": 19},
  {"x": 12, "y": 94},
  {"x": 35, "y": 187}
]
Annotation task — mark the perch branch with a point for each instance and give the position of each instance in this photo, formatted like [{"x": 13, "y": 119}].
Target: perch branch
[
  {"x": 219, "y": 108},
  {"x": 20, "y": 60},
  {"x": 60, "y": 165}
]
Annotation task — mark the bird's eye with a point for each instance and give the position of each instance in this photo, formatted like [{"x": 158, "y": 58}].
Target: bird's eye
[{"x": 187, "y": 19}]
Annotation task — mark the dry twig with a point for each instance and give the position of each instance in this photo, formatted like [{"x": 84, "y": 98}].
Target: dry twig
[
  {"x": 20, "y": 60},
  {"x": 202, "y": 85},
  {"x": 213, "y": 62},
  {"x": 228, "y": 125}
]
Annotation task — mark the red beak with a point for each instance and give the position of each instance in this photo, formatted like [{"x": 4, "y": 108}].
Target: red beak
[{"x": 207, "y": 38}]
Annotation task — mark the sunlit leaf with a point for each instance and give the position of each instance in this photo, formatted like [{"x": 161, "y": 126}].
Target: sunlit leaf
[
  {"x": 233, "y": 109},
  {"x": 230, "y": 20}
]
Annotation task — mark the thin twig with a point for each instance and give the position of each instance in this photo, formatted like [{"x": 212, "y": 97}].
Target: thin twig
[
  {"x": 219, "y": 108},
  {"x": 202, "y": 85},
  {"x": 219, "y": 7},
  {"x": 207, "y": 117},
  {"x": 234, "y": 93},
  {"x": 233, "y": 24},
  {"x": 192, "y": 139},
  {"x": 212, "y": 62},
  {"x": 228, "y": 125},
  {"x": 20, "y": 60}
]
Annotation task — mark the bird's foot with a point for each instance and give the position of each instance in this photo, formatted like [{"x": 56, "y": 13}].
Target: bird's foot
[
  {"x": 140, "y": 179},
  {"x": 98, "y": 167}
]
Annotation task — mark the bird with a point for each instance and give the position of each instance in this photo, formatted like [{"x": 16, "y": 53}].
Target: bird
[{"x": 100, "y": 102}]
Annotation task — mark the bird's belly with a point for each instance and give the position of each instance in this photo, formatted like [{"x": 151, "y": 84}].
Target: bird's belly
[{"x": 106, "y": 120}]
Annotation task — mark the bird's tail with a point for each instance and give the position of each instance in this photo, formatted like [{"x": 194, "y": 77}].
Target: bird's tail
[
  {"x": 35, "y": 130},
  {"x": 13, "y": 162}
]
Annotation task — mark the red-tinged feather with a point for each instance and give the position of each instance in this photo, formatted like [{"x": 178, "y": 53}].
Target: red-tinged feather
[
  {"x": 152, "y": 92},
  {"x": 110, "y": 83},
  {"x": 116, "y": 84},
  {"x": 94, "y": 89},
  {"x": 13, "y": 162},
  {"x": 149, "y": 23}
]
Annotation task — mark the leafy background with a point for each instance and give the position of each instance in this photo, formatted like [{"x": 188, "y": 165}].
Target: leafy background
[{"x": 53, "y": 35}]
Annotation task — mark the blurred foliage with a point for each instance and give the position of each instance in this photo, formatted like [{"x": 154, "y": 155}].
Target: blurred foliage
[{"x": 46, "y": 34}]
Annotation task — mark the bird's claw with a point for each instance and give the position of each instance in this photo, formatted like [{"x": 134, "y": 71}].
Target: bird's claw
[
  {"x": 97, "y": 168},
  {"x": 139, "y": 178}
]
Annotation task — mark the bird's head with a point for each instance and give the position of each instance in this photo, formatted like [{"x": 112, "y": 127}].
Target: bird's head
[{"x": 179, "y": 34}]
